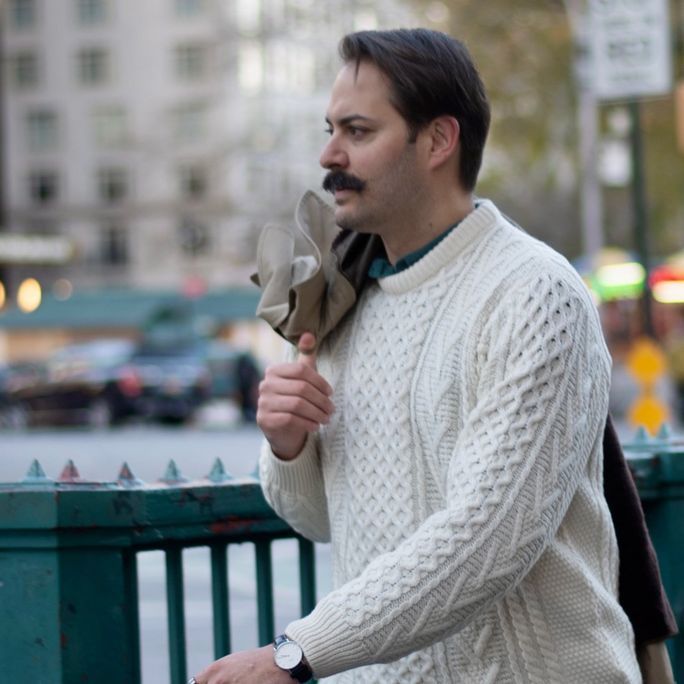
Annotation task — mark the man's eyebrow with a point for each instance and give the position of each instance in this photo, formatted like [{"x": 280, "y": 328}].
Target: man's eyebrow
[{"x": 346, "y": 120}]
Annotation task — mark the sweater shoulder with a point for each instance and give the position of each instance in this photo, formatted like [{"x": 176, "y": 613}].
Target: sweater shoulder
[{"x": 518, "y": 262}]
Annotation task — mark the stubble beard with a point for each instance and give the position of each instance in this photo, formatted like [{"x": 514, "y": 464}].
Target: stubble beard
[{"x": 389, "y": 200}]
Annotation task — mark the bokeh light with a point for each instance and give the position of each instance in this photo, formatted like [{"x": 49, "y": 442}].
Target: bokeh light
[
  {"x": 29, "y": 295},
  {"x": 62, "y": 289}
]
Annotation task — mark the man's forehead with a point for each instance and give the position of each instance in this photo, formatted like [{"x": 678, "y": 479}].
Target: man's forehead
[{"x": 360, "y": 89}]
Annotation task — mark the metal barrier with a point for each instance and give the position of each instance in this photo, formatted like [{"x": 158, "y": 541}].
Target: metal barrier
[
  {"x": 68, "y": 568},
  {"x": 658, "y": 468}
]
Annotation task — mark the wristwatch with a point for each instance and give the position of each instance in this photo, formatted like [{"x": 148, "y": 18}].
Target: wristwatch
[{"x": 288, "y": 655}]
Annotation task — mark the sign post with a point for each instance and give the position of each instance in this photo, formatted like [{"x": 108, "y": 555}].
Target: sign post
[{"x": 632, "y": 59}]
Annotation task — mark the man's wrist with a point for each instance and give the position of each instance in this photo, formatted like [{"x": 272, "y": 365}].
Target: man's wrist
[
  {"x": 289, "y": 656},
  {"x": 288, "y": 454}
]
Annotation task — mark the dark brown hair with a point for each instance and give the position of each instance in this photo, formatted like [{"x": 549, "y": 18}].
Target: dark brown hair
[{"x": 431, "y": 74}]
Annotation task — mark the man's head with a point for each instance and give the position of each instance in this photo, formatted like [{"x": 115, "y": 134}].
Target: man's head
[
  {"x": 407, "y": 120},
  {"x": 430, "y": 74}
]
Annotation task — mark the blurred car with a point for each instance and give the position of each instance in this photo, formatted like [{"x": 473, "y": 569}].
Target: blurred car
[
  {"x": 178, "y": 378},
  {"x": 104, "y": 382},
  {"x": 13, "y": 377},
  {"x": 235, "y": 375},
  {"x": 174, "y": 379},
  {"x": 90, "y": 383}
]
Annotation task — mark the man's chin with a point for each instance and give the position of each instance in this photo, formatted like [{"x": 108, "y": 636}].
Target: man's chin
[
  {"x": 345, "y": 219},
  {"x": 343, "y": 197}
]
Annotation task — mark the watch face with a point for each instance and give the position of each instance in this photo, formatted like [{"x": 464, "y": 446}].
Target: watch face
[{"x": 288, "y": 655}]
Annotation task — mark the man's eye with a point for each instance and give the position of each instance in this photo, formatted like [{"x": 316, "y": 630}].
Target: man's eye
[
  {"x": 356, "y": 132},
  {"x": 328, "y": 130}
]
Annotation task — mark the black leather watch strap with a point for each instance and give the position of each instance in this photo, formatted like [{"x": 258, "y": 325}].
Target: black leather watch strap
[{"x": 301, "y": 672}]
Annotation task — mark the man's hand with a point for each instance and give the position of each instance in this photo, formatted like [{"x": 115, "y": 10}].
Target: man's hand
[
  {"x": 246, "y": 667},
  {"x": 293, "y": 401}
]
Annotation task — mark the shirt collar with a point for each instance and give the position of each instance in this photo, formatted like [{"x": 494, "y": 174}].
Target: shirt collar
[{"x": 381, "y": 267}]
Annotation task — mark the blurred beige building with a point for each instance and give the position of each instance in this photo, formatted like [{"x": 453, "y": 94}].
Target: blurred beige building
[{"x": 159, "y": 136}]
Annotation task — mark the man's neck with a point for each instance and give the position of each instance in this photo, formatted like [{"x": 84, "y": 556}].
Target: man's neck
[{"x": 400, "y": 241}]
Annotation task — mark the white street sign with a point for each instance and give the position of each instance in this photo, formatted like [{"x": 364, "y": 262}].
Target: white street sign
[
  {"x": 35, "y": 249},
  {"x": 630, "y": 48}
]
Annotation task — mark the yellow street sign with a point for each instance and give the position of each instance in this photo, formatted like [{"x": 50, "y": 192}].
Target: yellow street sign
[
  {"x": 646, "y": 362},
  {"x": 648, "y": 411}
]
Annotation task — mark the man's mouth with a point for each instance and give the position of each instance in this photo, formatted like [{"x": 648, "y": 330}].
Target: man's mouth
[{"x": 338, "y": 181}]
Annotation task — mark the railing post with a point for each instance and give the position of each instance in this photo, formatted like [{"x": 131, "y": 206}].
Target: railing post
[
  {"x": 307, "y": 576},
  {"x": 220, "y": 599},
  {"x": 64, "y": 594},
  {"x": 658, "y": 469},
  {"x": 97, "y": 606},
  {"x": 176, "y": 615},
  {"x": 264, "y": 573}
]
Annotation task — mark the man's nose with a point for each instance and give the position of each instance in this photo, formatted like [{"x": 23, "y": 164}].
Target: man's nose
[{"x": 333, "y": 156}]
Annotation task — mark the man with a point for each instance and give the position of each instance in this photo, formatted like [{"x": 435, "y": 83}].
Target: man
[{"x": 446, "y": 436}]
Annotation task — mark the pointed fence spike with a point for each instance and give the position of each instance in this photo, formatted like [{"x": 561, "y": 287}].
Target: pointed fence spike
[
  {"x": 218, "y": 472},
  {"x": 127, "y": 478},
  {"x": 70, "y": 473},
  {"x": 665, "y": 432},
  {"x": 641, "y": 435},
  {"x": 173, "y": 474},
  {"x": 36, "y": 474}
]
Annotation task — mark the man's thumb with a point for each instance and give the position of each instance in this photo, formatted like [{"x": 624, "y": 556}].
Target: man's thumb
[{"x": 307, "y": 349}]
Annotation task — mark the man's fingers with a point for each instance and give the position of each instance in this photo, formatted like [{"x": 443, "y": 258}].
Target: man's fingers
[
  {"x": 307, "y": 349},
  {"x": 296, "y": 406},
  {"x": 277, "y": 388},
  {"x": 300, "y": 371},
  {"x": 289, "y": 421}
]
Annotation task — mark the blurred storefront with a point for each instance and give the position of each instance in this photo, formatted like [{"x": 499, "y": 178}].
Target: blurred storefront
[{"x": 129, "y": 313}]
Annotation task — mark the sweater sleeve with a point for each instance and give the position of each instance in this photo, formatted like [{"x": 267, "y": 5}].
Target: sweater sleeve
[
  {"x": 295, "y": 489},
  {"x": 539, "y": 409}
]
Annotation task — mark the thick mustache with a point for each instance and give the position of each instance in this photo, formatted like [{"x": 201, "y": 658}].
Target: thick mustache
[{"x": 339, "y": 180}]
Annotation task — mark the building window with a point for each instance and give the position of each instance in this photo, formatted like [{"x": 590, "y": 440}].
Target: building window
[
  {"x": 110, "y": 126},
  {"x": 191, "y": 61},
  {"x": 91, "y": 12},
  {"x": 291, "y": 68},
  {"x": 194, "y": 237},
  {"x": 193, "y": 181},
  {"x": 93, "y": 66},
  {"x": 189, "y": 8},
  {"x": 114, "y": 244},
  {"x": 41, "y": 130},
  {"x": 112, "y": 184},
  {"x": 190, "y": 122},
  {"x": 248, "y": 16},
  {"x": 24, "y": 70},
  {"x": 23, "y": 13},
  {"x": 250, "y": 67},
  {"x": 43, "y": 187}
]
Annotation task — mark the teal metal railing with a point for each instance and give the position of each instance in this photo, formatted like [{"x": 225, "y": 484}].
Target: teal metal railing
[
  {"x": 68, "y": 561},
  {"x": 68, "y": 568},
  {"x": 657, "y": 465}
]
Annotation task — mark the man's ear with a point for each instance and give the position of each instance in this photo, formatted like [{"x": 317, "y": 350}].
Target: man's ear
[{"x": 444, "y": 135}]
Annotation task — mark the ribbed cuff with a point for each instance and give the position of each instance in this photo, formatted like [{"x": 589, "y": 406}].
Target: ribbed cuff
[
  {"x": 299, "y": 475},
  {"x": 327, "y": 641}
]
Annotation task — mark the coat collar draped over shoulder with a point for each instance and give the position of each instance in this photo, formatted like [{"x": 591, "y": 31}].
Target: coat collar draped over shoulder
[{"x": 310, "y": 273}]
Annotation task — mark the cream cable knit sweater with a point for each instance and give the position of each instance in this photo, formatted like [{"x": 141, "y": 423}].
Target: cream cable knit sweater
[{"x": 460, "y": 479}]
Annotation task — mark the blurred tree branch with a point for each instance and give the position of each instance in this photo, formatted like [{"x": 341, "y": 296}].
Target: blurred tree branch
[{"x": 525, "y": 54}]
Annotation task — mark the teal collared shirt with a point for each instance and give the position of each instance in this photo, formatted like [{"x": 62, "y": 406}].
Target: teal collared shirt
[{"x": 381, "y": 268}]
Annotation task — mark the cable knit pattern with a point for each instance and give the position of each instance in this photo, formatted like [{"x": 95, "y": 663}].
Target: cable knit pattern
[{"x": 460, "y": 477}]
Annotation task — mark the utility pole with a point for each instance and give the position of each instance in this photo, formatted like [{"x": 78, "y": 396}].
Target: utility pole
[
  {"x": 4, "y": 268},
  {"x": 639, "y": 202},
  {"x": 588, "y": 131}
]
